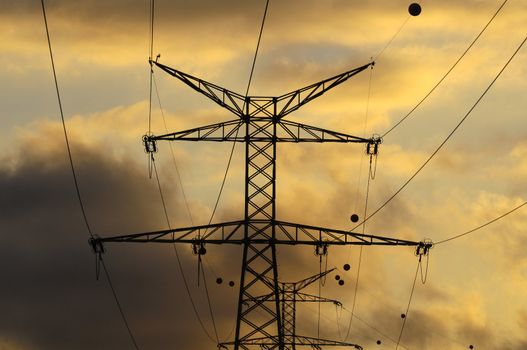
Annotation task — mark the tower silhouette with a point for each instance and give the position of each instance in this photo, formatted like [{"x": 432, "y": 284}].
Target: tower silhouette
[{"x": 266, "y": 307}]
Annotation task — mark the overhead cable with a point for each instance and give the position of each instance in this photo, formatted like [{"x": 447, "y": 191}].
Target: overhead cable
[
  {"x": 447, "y": 73},
  {"x": 152, "y": 163},
  {"x": 75, "y": 180},
  {"x": 178, "y": 175},
  {"x": 357, "y": 278},
  {"x": 446, "y": 139},
  {"x": 405, "y": 315},
  {"x": 245, "y": 101},
  {"x": 180, "y": 265},
  {"x": 481, "y": 226}
]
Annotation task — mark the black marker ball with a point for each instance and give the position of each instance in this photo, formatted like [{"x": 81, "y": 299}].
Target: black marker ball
[
  {"x": 347, "y": 267},
  {"x": 231, "y": 283},
  {"x": 414, "y": 9},
  {"x": 219, "y": 280},
  {"x": 341, "y": 282},
  {"x": 403, "y": 316},
  {"x": 378, "y": 342},
  {"x": 337, "y": 277},
  {"x": 354, "y": 218},
  {"x": 471, "y": 347}
]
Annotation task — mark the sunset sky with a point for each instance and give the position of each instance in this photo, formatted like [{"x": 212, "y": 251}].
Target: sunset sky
[{"x": 476, "y": 287}]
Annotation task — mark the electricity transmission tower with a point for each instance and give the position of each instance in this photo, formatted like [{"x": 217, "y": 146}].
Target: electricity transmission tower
[
  {"x": 263, "y": 321},
  {"x": 290, "y": 295}
]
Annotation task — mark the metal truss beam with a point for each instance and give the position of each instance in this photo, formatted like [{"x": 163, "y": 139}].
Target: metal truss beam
[
  {"x": 269, "y": 106},
  {"x": 315, "y": 343},
  {"x": 286, "y": 131},
  {"x": 233, "y": 233}
]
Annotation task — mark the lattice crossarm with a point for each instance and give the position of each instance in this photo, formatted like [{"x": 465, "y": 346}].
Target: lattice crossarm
[
  {"x": 289, "y": 131},
  {"x": 224, "y": 131},
  {"x": 293, "y": 100},
  {"x": 293, "y": 234},
  {"x": 310, "y": 280},
  {"x": 303, "y": 297},
  {"x": 221, "y": 233},
  {"x": 301, "y": 340},
  {"x": 230, "y": 100}
]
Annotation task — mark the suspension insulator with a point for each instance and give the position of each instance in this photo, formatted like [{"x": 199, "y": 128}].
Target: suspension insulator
[
  {"x": 321, "y": 249},
  {"x": 150, "y": 143},
  {"x": 372, "y": 147},
  {"x": 198, "y": 248},
  {"x": 424, "y": 247},
  {"x": 96, "y": 245}
]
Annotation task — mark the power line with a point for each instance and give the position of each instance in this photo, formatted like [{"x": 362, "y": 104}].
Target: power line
[
  {"x": 447, "y": 73},
  {"x": 356, "y": 289},
  {"x": 173, "y": 155},
  {"x": 150, "y": 58},
  {"x": 180, "y": 265},
  {"x": 223, "y": 181},
  {"x": 152, "y": 162},
  {"x": 75, "y": 180},
  {"x": 367, "y": 324},
  {"x": 481, "y": 226},
  {"x": 392, "y": 38},
  {"x": 119, "y": 306},
  {"x": 257, "y": 48},
  {"x": 237, "y": 130},
  {"x": 408, "y": 306},
  {"x": 446, "y": 139},
  {"x": 72, "y": 167}
]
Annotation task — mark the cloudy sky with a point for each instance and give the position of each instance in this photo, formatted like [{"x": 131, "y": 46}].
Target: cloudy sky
[{"x": 476, "y": 288}]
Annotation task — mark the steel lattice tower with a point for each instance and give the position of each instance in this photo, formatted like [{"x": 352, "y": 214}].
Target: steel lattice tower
[{"x": 260, "y": 125}]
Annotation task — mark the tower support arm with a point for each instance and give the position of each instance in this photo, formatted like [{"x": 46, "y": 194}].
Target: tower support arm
[
  {"x": 227, "y": 232},
  {"x": 286, "y": 131},
  {"x": 289, "y": 131},
  {"x": 269, "y": 106},
  {"x": 314, "y": 235},
  {"x": 233, "y": 233},
  {"x": 299, "y": 297},
  {"x": 293, "y": 100},
  {"x": 298, "y": 340},
  {"x": 297, "y": 286},
  {"x": 230, "y": 100},
  {"x": 225, "y": 131}
]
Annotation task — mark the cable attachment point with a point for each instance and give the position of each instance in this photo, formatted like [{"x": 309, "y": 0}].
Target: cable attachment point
[
  {"x": 98, "y": 249},
  {"x": 198, "y": 248},
  {"x": 150, "y": 143},
  {"x": 423, "y": 248},
  {"x": 151, "y": 61},
  {"x": 321, "y": 249},
  {"x": 372, "y": 147}
]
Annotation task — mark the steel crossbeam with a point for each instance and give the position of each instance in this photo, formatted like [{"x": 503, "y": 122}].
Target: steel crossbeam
[
  {"x": 286, "y": 131},
  {"x": 266, "y": 106},
  {"x": 232, "y": 232}
]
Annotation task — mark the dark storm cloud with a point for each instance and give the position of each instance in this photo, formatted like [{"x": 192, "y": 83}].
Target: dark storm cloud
[{"x": 49, "y": 296}]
